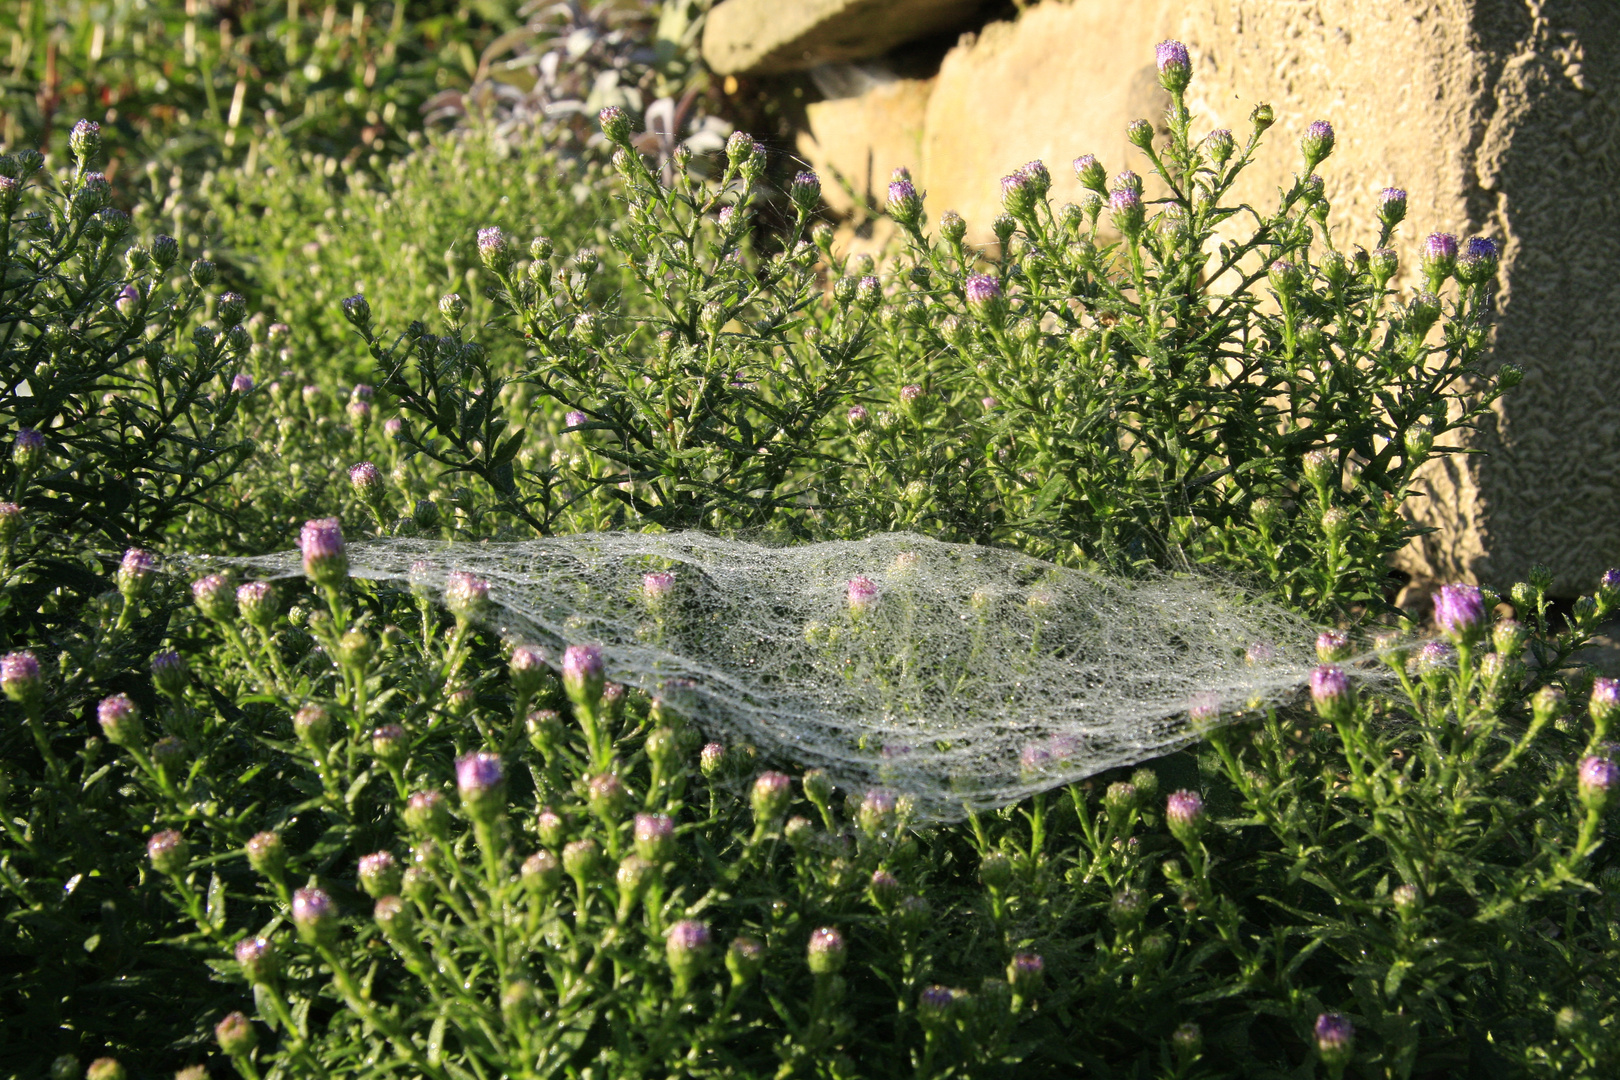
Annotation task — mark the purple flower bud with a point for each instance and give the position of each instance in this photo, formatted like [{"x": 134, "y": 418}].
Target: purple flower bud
[
  {"x": 481, "y": 781},
  {"x": 1184, "y": 814},
  {"x": 860, "y": 594},
  {"x": 656, "y": 588},
  {"x": 1317, "y": 143},
  {"x": 128, "y": 301},
  {"x": 1260, "y": 652},
  {"x": 214, "y": 597},
  {"x": 1391, "y": 206},
  {"x": 1120, "y": 798},
  {"x": 379, "y": 874},
  {"x": 1285, "y": 277},
  {"x": 242, "y": 383},
  {"x": 1128, "y": 907},
  {"x": 826, "y": 951},
  {"x": 135, "y": 571},
  {"x": 85, "y": 140},
  {"x": 170, "y": 754},
  {"x": 857, "y": 415},
  {"x": 1459, "y": 612},
  {"x": 356, "y": 310},
  {"x": 391, "y": 744},
  {"x": 712, "y": 758},
  {"x": 1091, "y": 174},
  {"x": 495, "y": 250},
  {"x": 1597, "y": 782},
  {"x": 1477, "y": 261},
  {"x": 315, "y": 915},
  {"x": 878, "y": 812},
  {"x": 1332, "y": 646},
  {"x": 606, "y": 795},
  {"x": 582, "y": 675},
  {"x": 367, "y": 481},
  {"x": 1175, "y": 66},
  {"x": 745, "y": 956},
  {"x": 905, "y": 205},
  {"x": 466, "y": 595},
  {"x": 426, "y": 813},
  {"x": 1439, "y": 257},
  {"x": 326, "y": 561},
  {"x": 1433, "y": 658},
  {"x": 805, "y": 192},
  {"x": 1335, "y": 1038},
  {"x": 1604, "y": 705},
  {"x": 1330, "y": 690},
  {"x": 11, "y": 523},
  {"x": 655, "y": 837},
  {"x": 235, "y": 1035},
  {"x": 120, "y": 720},
  {"x": 1024, "y": 973},
  {"x": 615, "y": 127},
  {"x": 1125, "y": 207},
  {"x": 169, "y": 673},
  {"x": 267, "y": 854},
  {"x": 935, "y": 1004},
  {"x": 168, "y": 851},
  {"x": 579, "y": 859},
  {"x": 312, "y": 725},
  {"x": 1034, "y": 758},
  {"x": 257, "y": 601},
  {"x": 28, "y": 449},
  {"x": 541, "y": 872},
  {"x": 528, "y": 669},
  {"x": 575, "y": 419},
  {"x": 1221, "y": 145},
  {"x": 256, "y": 956},
  {"x": 1016, "y": 195},
  {"x": 984, "y": 298},
  {"x": 686, "y": 946},
  {"x": 393, "y": 427},
  {"x": 771, "y": 794}
]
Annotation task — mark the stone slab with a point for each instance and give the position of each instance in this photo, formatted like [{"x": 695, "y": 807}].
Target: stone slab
[{"x": 768, "y": 37}]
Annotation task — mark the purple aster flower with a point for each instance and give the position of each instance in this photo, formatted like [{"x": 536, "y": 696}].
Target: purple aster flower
[
  {"x": 367, "y": 481},
  {"x": 326, "y": 561},
  {"x": 85, "y": 139},
  {"x": 1330, "y": 690},
  {"x": 134, "y": 574},
  {"x": 127, "y": 301},
  {"x": 1439, "y": 257},
  {"x": 393, "y": 427},
  {"x": 379, "y": 874},
  {"x": 1459, "y": 612},
  {"x": 1477, "y": 261},
  {"x": 169, "y": 673},
  {"x": 1175, "y": 65},
  {"x": 805, "y": 191},
  {"x": 1184, "y": 812},
  {"x": 857, "y": 415},
  {"x": 861, "y": 593},
  {"x": 982, "y": 290},
  {"x": 1434, "y": 657},
  {"x": 28, "y": 448},
  {"x": 905, "y": 205}
]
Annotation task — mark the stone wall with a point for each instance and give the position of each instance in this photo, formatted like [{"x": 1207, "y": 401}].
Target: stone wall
[{"x": 1495, "y": 115}]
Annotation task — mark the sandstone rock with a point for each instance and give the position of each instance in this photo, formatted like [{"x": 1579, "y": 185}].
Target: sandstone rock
[
  {"x": 1487, "y": 113},
  {"x": 866, "y": 137},
  {"x": 752, "y": 37}
]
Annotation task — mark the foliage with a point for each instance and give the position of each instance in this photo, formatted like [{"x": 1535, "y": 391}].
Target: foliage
[
  {"x": 1408, "y": 876},
  {"x": 189, "y": 86}
]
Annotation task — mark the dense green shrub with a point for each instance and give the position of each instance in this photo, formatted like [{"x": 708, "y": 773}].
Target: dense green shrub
[
  {"x": 186, "y": 86},
  {"x": 1407, "y": 875}
]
